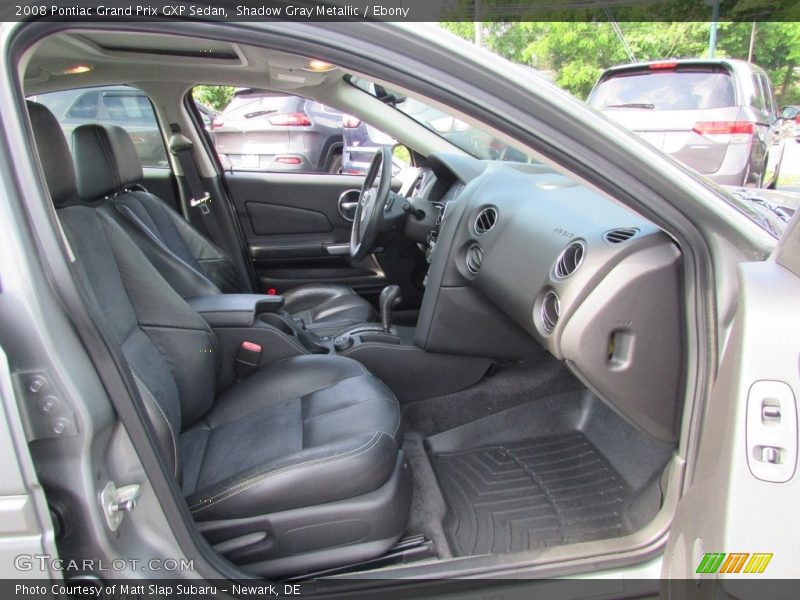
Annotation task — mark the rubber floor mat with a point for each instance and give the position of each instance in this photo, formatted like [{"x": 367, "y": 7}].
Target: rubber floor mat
[{"x": 526, "y": 495}]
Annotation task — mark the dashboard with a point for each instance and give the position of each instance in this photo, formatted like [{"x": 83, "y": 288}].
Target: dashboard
[{"x": 526, "y": 259}]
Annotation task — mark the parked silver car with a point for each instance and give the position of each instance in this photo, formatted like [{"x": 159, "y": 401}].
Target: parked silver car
[
  {"x": 717, "y": 116},
  {"x": 267, "y": 131}
]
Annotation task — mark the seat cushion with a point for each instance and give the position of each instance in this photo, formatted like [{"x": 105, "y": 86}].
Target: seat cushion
[
  {"x": 323, "y": 306},
  {"x": 305, "y": 431}
]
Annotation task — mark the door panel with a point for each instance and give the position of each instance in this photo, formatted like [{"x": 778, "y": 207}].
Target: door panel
[
  {"x": 295, "y": 233},
  {"x": 275, "y": 219},
  {"x": 744, "y": 489}
]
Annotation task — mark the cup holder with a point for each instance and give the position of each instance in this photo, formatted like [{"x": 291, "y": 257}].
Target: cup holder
[{"x": 278, "y": 322}]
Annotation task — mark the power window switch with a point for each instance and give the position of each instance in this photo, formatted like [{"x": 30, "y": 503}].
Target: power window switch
[
  {"x": 771, "y": 413},
  {"x": 771, "y": 455}
]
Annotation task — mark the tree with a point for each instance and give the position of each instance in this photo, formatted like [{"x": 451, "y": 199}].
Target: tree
[
  {"x": 215, "y": 96},
  {"x": 776, "y": 50},
  {"x": 577, "y": 52}
]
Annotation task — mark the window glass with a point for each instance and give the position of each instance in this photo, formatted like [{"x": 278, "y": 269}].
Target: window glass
[
  {"x": 758, "y": 98},
  {"x": 769, "y": 97},
  {"x": 125, "y": 106},
  {"x": 472, "y": 140},
  {"x": 128, "y": 108},
  {"x": 665, "y": 90},
  {"x": 261, "y": 130},
  {"x": 85, "y": 107}
]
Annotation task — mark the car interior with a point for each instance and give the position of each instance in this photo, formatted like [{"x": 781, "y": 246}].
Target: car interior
[{"x": 472, "y": 364}]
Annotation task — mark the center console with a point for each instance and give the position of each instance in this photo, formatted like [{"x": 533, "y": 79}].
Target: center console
[{"x": 254, "y": 330}]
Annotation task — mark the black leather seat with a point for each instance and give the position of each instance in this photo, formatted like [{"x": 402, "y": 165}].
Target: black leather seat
[
  {"x": 107, "y": 165},
  {"x": 295, "y": 468}
]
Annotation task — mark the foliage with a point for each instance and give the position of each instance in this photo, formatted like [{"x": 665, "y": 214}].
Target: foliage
[
  {"x": 574, "y": 52},
  {"x": 215, "y": 96}
]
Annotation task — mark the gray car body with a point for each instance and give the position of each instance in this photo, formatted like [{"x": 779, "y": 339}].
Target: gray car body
[{"x": 752, "y": 162}]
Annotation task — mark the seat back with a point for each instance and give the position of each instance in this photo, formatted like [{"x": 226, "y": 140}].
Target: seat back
[
  {"x": 169, "y": 348},
  {"x": 107, "y": 166}
]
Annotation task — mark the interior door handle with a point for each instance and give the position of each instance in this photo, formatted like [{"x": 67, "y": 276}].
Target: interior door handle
[{"x": 348, "y": 202}]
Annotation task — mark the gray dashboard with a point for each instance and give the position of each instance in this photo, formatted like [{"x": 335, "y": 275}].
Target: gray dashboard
[{"x": 527, "y": 259}]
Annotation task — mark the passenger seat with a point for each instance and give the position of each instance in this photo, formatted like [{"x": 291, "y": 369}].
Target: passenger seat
[
  {"x": 297, "y": 467},
  {"x": 107, "y": 166}
]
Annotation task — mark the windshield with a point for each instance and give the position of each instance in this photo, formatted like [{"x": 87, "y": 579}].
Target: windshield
[
  {"x": 665, "y": 90},
  {"x": 471, "y": 140}
]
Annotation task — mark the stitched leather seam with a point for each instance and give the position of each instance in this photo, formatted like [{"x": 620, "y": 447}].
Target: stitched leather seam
[
  {"x": 246, "y": 485},
  {"x": 164, "y": 416},
  {"x": 399, "y": 419}
]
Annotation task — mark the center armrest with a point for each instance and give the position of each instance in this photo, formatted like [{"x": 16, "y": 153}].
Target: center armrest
[{"x": 234, "y": 310}]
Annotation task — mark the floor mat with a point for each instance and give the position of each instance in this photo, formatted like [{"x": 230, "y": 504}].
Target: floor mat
[{"x": 525, "y": 495}]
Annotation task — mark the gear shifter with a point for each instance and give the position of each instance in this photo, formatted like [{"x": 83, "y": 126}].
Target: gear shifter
[{"x": 390, "y": 297}]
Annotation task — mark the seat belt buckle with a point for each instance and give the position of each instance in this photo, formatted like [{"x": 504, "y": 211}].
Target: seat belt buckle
[
  {"x": 202, "y": 203},
  {"x": 247, "y": 359}
]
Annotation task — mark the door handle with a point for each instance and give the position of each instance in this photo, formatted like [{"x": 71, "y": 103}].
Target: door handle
[{"x": 348, "y": 202}]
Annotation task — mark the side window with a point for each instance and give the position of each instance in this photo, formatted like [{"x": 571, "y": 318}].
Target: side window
[
  {"x": 758, "y": 95},
  {"x": 761, "y": 98},
  {"x": 85, "y": 107},
  {"x": 128, "y": 108},
  {"x": 769, "y": 96},
  {"x": 125, "y": 106},
  {"x": 261, "y": 130}
]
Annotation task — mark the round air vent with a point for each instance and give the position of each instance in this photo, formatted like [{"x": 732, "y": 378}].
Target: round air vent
[
  {"x": 570, "y": 259},
  {"x": 551, "y": 307},
  {"x": 485, "y": 220},
  {"x": 617, "y": 236},
  {"x": 474, "y": 259}
]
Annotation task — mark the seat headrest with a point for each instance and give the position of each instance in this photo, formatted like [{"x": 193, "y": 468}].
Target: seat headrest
[
  {"x": 106, "y": 161},
  {"x": 53, "y": 149}
]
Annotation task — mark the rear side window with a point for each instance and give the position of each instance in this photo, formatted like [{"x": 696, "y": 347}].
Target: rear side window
[
  {"x": 85, "y": 107},
  {"x": 665, "y": 90},
  {"x": 128, "y": 108},
  {"x": 125, "y": 106},
  {"x": 766, "y": 93},
  {"x": 758, "y": 101}
]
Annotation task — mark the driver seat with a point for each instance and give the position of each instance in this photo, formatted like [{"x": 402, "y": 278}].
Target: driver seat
[{"x": 107, "y": 166}]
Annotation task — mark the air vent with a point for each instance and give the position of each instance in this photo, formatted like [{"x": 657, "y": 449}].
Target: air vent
[
  {"x": 617, "y": 236},
  {"x": 551, "y": 307},
  {"x": 570, "y": 259},
  {"x": 474, "y": 259},
  {"x": 485, "y": 220}
]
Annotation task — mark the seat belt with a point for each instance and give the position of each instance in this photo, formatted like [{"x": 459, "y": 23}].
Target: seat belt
[{"x": 182, "y": 148}]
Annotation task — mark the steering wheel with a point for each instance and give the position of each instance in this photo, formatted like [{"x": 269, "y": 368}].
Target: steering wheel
[{"x": 371, "y": 201}]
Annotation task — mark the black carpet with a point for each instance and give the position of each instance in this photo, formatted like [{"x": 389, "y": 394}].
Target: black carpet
[{"x": 547, "y": 491}]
